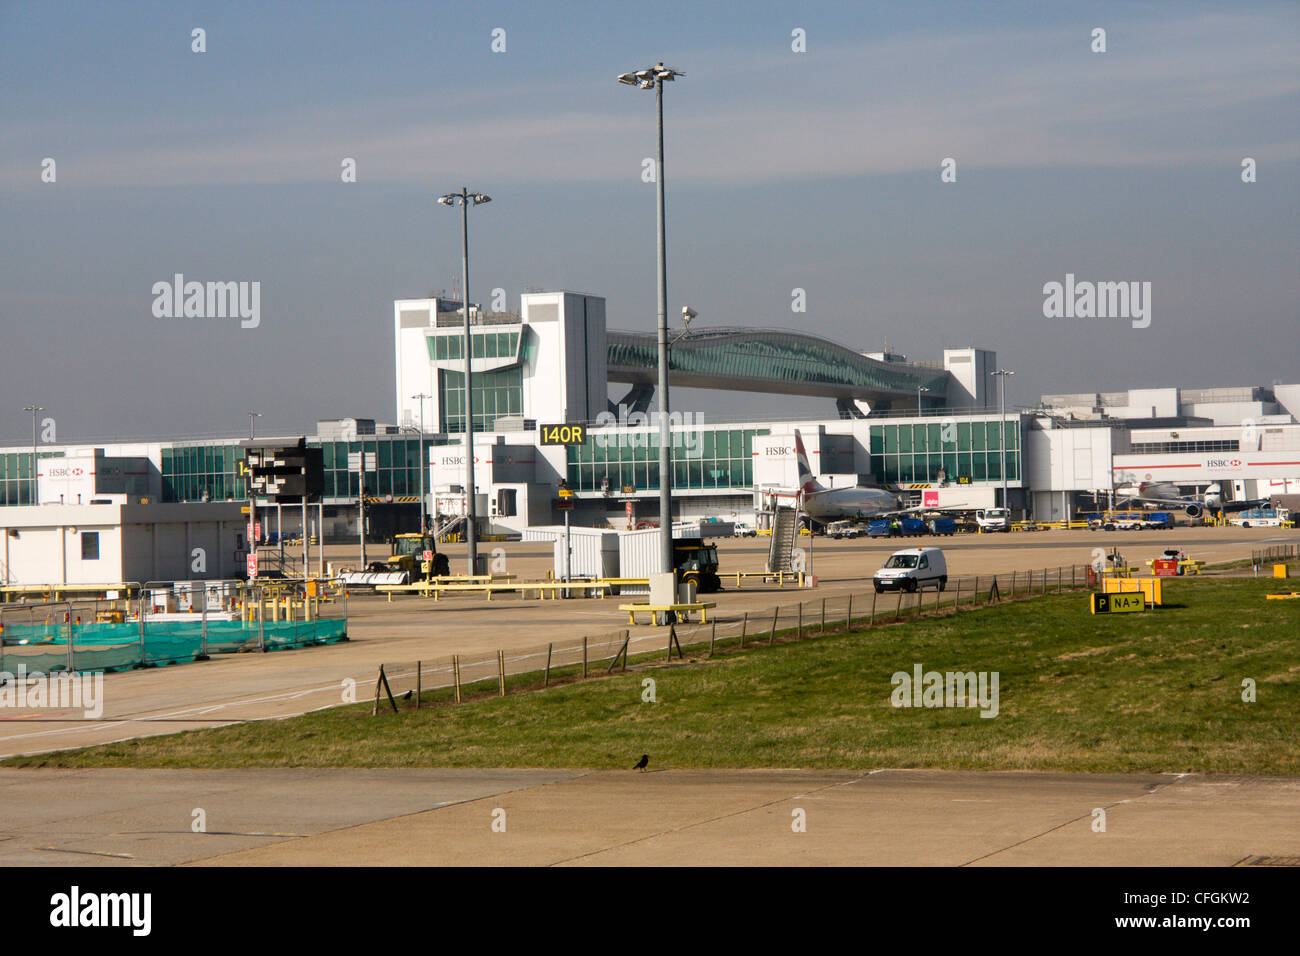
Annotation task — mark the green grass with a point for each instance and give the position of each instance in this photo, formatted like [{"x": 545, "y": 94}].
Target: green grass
[{"x": 1159, "y": 691}]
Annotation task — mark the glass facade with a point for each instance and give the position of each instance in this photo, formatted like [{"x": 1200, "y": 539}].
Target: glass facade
[
  {"x": 394, "y": 461},
  {"x": 495, "y": 394},
  {"x": 395, "y": 469},
  {"x": 191, "y": 471},
  {"x": 916, "y": 453},
  {"x": 774, "y": 356},
  {"x": 16, "y": 485},
  {"x": 714, "y": 458},
  {"x": 485, "y": 345}
]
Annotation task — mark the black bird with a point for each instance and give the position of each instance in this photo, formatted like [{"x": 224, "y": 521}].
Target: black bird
[{"x": 642, "y": 763}]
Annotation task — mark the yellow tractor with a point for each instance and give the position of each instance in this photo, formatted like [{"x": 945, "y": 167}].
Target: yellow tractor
[{"x": 408, "y": 558}]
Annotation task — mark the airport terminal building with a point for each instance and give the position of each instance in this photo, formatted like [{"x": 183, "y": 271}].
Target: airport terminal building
[{"x": 923, "y": 426}]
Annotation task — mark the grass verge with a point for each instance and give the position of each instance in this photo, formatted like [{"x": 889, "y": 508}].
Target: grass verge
[{"x": 1159, "y": 691}]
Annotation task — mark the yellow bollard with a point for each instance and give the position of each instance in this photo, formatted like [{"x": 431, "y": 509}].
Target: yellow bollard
[{"x": 1279, "y": 571}]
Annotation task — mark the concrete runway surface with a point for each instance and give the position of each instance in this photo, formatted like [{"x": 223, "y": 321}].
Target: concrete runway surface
[
  {"x": 627, "y": 818},
  {"x": 235, "y": 687}
]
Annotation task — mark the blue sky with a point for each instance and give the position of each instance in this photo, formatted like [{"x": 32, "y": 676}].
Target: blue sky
[{"x": 816, "y": 170}]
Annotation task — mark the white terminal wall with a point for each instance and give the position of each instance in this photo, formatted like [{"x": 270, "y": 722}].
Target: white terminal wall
[
  {"x": 1069, "y": 459},
  {"x": 567, "y": 379},
  {"x": 1205, "y": 468}
]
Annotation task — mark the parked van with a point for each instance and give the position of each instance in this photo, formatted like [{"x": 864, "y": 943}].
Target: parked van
[{"x": 913, "y": 568}]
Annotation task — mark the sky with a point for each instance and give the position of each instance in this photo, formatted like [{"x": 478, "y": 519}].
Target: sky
[{"x": 817, "y": 170}]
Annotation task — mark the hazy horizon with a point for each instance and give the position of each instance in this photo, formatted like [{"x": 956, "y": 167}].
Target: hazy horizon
[{"x": 816, "y": 170}]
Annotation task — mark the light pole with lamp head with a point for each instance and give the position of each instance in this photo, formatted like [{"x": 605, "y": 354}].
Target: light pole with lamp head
[
  {"x": 654, "y": 78},
  {"x": 251, "y": 416},
  {"x": 465, "y": 199},
  {"x": 919, "y": 390},
  {"x": 1002, "y": 416},
  {"x": 34, "y": 409},
  {"x": 423, "y": 463}
]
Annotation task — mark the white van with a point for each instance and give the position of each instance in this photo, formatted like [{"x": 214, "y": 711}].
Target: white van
[{"x": 913, "y": 568}]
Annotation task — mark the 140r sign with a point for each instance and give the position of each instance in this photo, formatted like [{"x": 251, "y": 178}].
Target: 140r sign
[{"x": 564, "y": 434}]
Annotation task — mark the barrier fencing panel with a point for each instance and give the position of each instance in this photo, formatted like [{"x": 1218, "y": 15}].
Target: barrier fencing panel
[{"x": 114, "y": 635}]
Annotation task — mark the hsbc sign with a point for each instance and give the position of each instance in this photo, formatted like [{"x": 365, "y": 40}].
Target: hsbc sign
[{"x": 1223, "y": 464}]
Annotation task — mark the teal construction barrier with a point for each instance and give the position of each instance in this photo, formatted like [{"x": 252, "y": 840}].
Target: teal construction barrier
[{"x": 115, "y": 647}]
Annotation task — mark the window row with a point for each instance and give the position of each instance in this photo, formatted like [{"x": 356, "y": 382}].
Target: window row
[{"x": 482, "y": 345}]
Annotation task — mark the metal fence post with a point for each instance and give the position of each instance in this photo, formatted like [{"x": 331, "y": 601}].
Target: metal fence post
[
  {"x": 419, "y": 673},
  {"x": 848, "y": 613},
  {"x": 72, "y": 656},
  {"x": 799, "y": 632},
  {"x": 501, "y": 672},
  {"x": 455, "y": 671},
  {"x": 744, "y": 626},
  {"x": 713, "y": 636},
  {"x": 203, "y": 640},
  {"x": 547, "y": 681},
  {"x": 823, "y": 630},
  {"x": 584, "y": 655},
  {"x": 772, "y": 635}
]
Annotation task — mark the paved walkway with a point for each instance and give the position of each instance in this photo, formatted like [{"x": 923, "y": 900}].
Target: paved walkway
[{"x": 666, "y": 818}]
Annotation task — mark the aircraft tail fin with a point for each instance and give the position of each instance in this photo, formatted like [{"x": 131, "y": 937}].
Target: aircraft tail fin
[{"x": 807, "y": 483}]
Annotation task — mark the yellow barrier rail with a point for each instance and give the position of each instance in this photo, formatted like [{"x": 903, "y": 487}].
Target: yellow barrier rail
[{"x": 655, "y": 610}]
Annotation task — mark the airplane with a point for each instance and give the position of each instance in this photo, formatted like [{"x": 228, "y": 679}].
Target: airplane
[
  {"x": 1152, "y": 494},
  {"x": 827, "y": 504}
]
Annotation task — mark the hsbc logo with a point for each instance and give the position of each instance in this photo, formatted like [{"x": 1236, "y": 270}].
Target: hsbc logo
[
  {"x": 778, "y": 452},
  {"x": 1223, "y": 463},
  {"x": 65, "y": 472}
]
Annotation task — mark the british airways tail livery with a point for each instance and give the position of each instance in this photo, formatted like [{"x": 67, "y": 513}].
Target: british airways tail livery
[{"x": 827, "y": 504}]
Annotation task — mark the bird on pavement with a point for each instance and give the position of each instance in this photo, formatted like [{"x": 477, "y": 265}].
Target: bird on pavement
[{"x": 642, "y": 763}]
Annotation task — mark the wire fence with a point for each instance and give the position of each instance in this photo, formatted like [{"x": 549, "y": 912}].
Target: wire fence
[
  {"x": 160, "y": 623},
  {"x": 459, "y": 677},
  {"x": 1280, "y": 553}
]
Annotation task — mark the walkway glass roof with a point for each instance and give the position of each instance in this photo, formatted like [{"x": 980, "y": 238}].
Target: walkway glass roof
[{"x": 769, "y": 360}]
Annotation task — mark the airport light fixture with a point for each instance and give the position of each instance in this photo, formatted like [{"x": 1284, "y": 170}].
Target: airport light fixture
[
  {"x": 465, "y": 199},
  {"x": 654, "y": 78},
  {"x": 1002, "y": 414},
  {"x": 421, "y": 398},
  {"x": 919, "y": 390},
  {"x": 251, "y": 416},
  {"x": 34, "y": 409}
]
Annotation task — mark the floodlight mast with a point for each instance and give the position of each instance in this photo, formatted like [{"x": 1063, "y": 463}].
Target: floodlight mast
[
  {"x": 654, "y": 78},
  {"x": 465, "y": 199}
]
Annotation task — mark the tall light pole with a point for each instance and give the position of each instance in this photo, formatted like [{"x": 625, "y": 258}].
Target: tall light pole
[
  {"x": 919, "y": 390},
  {"x": 251, "y": 417},
  {"x": 423, "y": 464},
  {"x": 466, "y": 198},
  {"x": 654, "y": 78},
  {"x": 1002, "y": 414},
  {"x": 34, "y": 409}
]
